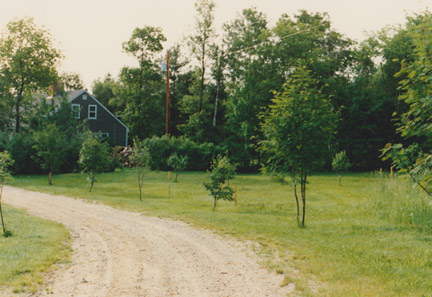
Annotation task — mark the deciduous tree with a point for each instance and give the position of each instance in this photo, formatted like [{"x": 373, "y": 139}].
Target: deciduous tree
[
  {"x": 94, "y": 157},
  {"x": 50, "y": 146},
  {"x": 298, "y": 129},
  {"x": 217, "y": 183},
  {"x": 140, "y": 159},
  {"x": 28, "y": 62}
]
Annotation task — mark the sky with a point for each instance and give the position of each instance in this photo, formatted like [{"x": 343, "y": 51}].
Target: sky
[{"x": 90, "y": 33}]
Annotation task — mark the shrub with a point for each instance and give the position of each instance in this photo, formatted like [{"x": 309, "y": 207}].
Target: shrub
[
  {"x": 161, "y": 148},
  {"x": 94, "y": 157},
  {"x": 22, "y": 151},
  {"x": 217, "y": 182},
  {"x": 177, "y": 164},
  {"x": 139, "y": 159}
]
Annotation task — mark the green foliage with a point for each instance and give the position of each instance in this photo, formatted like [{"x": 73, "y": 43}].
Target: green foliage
[
  {"x": 5, "y": 163},
  {"x": 140, "y": 158},
  {"x": 177, "y": 163},
  {"x": 23, "y": 152},
  {"x": 104, "y": 90},
  {"x": 411, "y": 160},
  {"x": 161, "y": 148},
  {"x": 50, "y": 147},
  {"x": 28, "y": 62},
  {"x": 416, "y": 122},
  {"x": 139, "y": 89},
  {"x": 217, "y": 182},
  {"x": 340, "y": 163},
  {"x": 298, "y": 130},
  {"x": 94, "y": 157},
  {"x": 144, "y": 43}
]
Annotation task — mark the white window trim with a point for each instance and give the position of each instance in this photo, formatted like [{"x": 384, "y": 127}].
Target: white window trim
[
  {"x": 84, "y": 97},
  {"x": 95, "y": 111},
  {"x": 77, "y": 112},
  {"x": 105, "y": 134}
]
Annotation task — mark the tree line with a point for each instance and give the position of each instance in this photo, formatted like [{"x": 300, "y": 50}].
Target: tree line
[{"x": 222, "y": 87}]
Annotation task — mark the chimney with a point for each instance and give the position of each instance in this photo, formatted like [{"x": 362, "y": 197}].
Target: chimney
[{"x": 57, "y": 88}]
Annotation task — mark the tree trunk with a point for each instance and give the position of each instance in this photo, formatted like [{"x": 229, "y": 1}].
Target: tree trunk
[
  {"x": 139, "y": 184},
  {"x": 217, "y": 92},
  {"x": 202, "y": 77},
  {"x": 420, "y": 185},
  {"x": 1, "y": 211},
  {"x": 50, "y": 178},
  {"x": 297, "y": 203},
  {"x": 17, "y": 106},
  {"x": 214, "y": 204},
  {"x": 303, "y": 194},
  {"x": 340, "y": 177},
  {"x": 17, "y": 113},
  {"x": 216, "y": 104}
]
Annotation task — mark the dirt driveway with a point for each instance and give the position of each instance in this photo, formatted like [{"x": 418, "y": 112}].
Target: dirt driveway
[{"x": 119, "y": 253}]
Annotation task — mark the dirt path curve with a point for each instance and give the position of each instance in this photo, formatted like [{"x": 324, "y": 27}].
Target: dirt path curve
[{"x": 119, "y": 253}]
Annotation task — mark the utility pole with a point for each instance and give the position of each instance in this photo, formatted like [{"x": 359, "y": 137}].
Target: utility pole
[{"x": 167, "y": 95}]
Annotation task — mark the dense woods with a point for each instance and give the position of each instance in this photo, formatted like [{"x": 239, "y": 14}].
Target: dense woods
[{"x": 221, "y": 87}]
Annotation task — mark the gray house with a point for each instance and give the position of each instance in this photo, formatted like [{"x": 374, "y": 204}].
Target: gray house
[{"x": 99, "y": 118}]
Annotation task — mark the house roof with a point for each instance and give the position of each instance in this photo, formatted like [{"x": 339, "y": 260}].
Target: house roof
[{"x": 72, "y": 95}]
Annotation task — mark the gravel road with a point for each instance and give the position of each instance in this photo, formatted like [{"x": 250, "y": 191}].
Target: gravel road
[{"x": 118, "y": 253}]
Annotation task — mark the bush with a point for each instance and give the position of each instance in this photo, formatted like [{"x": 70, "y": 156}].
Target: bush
[
  {"x": 161, "y": 148},
  {"x": 22, "y": 151},
  {"x": 94, "y": 157},
  {"x": 217, "y": 181}
]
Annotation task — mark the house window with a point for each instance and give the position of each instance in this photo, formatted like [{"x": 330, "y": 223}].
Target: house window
[
  {"x": 76, "y": 110},
  {"x": 92, "y": 112},
  {"x": 104, "y": 135},
  {"x": 84, "y": 97}
]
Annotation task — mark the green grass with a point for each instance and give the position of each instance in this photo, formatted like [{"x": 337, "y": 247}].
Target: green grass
[
  {"x": 35, "y": 246},
  {"x": 356, "y": 242}
]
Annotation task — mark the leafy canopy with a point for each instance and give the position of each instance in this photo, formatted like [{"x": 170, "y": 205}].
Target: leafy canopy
[
  {"x": 94, "y": 157},
  {"x": 221, "y": 172}
]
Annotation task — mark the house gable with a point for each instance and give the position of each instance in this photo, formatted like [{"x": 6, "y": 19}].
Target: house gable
[{"x": 99, "y": 118}]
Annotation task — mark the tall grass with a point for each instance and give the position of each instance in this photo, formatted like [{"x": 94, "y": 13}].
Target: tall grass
[{"x": 401, "y": 202}]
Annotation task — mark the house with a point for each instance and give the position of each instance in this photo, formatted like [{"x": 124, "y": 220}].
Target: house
[{"x": 99, "y": 118}]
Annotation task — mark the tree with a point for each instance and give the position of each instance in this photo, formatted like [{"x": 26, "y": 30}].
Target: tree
[
  {"x": 250, "y": 77},
  {"x": 416, "y": 124},
  {"x": 340, "y": 164},
  {"x": 5, "y": 162},
  {"x": 94, "y": 157},
  {"x": 141, "y": 88},
  {"x": 177, "y": 164},
  {"x": 28, "y": 62},
  {"x": 200, "y": 42},
  {"x": 50, "y": 149},
  {"x": 298, "y": 129},
  {"x": 217, "y": 182},
  {"x": 140, "y": 158},
  {"x": 104, "y": 90}
]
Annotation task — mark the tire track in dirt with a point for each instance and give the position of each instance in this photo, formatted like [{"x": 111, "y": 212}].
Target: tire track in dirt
[{"x": 119, "y": 253}]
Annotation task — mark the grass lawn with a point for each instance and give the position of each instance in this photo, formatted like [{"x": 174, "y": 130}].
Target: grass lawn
[
  {"x": 35, "y": 246},
  {"x": 357, "y": 241}
]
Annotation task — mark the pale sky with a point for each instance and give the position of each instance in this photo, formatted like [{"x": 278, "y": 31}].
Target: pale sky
[{"x": 90, "y": 33}]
